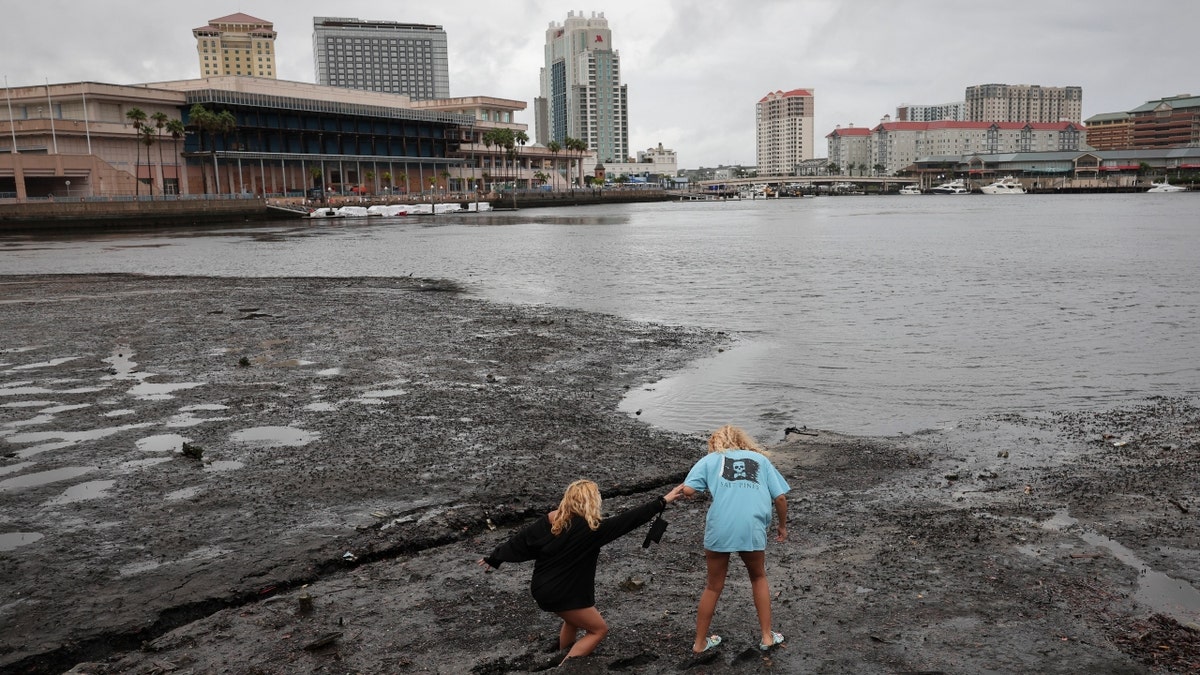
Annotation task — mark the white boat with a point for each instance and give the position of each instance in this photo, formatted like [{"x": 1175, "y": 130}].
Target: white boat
[
  {"x": 352, "y": 211},
  {"x": 387, "y": 210},
  {"x": 954, "y": 187},
  {"x": 447, "y": 208},
  {"x": 1004, "y": 186},
  {"x": 1166, "y": 186},
  {"x": 913, "y": 189},
  {"x": 479, "y": 207},
  {"x": 325, "y": 212}
]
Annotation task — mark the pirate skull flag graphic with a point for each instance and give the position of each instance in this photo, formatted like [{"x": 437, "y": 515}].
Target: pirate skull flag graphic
[{"x": 740, "y": 469}]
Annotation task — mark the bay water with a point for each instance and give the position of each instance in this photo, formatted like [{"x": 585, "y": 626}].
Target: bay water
[{"x": 860, "y": 314}]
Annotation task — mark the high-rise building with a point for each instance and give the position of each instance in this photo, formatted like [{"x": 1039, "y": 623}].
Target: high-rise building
[
  {"x": 385, "y": 56},
  {"x": 238, "y": 44},
  {"x": 931, "y": 113},
  {"x": 783, "y": 123},
  {"x": 581, "y": 92},
  {"x": 1024, "y": 103}
]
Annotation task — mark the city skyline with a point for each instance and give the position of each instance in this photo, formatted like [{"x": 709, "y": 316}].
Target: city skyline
[{"x": 694, "y": 77}]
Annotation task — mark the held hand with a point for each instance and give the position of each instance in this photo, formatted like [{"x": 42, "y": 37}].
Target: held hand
[
  {"x": 486, "y": 567},
  {"x": 781, "y": 535},
  {"x": 675, "y": 493}
]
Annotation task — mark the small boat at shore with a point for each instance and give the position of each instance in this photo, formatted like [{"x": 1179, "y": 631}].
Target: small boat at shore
[
  {"x": 1166, "y": 186},
  {"x": 1004, "y": 186},
  {"x": 387, "y": 210},
  {"x": 325, "y": 212},
  {"x": 954, "y": 187},
  {"x": 913, "y": 189},
  {"x": 353, "y": 211}
]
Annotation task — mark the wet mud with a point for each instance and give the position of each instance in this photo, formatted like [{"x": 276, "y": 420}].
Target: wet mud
[{"x": 298, "y": 475}]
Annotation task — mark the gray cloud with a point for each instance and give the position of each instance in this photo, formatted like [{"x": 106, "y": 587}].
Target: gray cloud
[{"x": 694, "y": 69}]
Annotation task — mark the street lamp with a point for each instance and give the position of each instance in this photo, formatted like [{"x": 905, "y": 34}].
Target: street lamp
[{"x": 68, "y": 189}]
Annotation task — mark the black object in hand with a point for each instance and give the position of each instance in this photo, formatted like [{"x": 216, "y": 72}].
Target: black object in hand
[{"x": 656, "y": 532}]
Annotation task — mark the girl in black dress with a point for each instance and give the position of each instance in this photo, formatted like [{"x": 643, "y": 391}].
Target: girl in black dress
[{"x": 564, "y": 546}]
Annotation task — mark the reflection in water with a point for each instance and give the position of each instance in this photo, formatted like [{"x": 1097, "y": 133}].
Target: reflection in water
[
  {"x": 873, "y": 315},
  {"x": 44, "y": 477},
  {"x": 269, "y": 437},
  {"x": 10, "y": 541}
]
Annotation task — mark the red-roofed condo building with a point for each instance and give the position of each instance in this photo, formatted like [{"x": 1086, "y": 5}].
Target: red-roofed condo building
[
  {"x": 784, "y": 131},
  {"x": 238, "y": 44}
]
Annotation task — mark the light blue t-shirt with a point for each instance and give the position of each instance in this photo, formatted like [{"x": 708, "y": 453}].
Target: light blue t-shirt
[{"x": 744, "y": 485}]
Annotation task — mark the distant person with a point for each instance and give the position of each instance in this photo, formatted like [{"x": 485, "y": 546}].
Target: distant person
[
  {"x": 744, "y": 486},
  {"x": 564, "y": 546}
]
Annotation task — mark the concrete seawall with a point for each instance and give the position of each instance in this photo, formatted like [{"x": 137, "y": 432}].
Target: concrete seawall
[{"x": 63, "y": 214}]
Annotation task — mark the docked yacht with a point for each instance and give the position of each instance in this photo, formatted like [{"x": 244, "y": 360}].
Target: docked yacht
[
  {"x": 325, "y": 212},
  {"x": 387, "y": 210},
  {"x": 1166, "y": 186},
  {"x": 1004, "y": 186},
  {"x": 913, "y": 189},
  {"x": 954, "y": 187}
]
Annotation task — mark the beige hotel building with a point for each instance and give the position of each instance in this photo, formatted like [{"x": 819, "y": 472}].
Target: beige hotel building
[
  {"x": 238, "y": 44},
  {"x": 784, "y": 131}
]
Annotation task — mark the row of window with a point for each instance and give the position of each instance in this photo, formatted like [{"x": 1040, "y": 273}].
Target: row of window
[{"x": 330, "y": 40}]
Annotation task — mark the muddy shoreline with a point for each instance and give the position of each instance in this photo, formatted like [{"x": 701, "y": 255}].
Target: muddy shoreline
[{"x": 362, "y": 441}]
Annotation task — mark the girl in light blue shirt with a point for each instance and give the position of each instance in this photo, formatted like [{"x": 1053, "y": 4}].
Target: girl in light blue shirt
[{"x": 744, "y": 486}]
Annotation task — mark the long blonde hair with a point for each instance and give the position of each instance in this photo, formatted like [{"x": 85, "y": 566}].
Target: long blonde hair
[
  {"x": 730, "y": 437},
  {"x": 582, "y": 498}
]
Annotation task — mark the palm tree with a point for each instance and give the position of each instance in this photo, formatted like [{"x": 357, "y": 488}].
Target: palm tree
[
  {"x": 138, "y": 117},
  {"x": 147, "y": 139},
  {"x": 177, "y": 130},
  {"x": 879, "y": 169},
  {"x": 445, "y": 179},
  {"x": 554, "y": 147},
  {"x": 160, "y": 121},
  {"x": 521, "y": 138},
  {"x": 402, "y": 178},
  {"x": 371, "y": 180},
  {"x": 387, "y": 180}
]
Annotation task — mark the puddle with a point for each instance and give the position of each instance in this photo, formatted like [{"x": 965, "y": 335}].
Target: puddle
[
  {"x": 44, "y": 447},
  {"x": 44, "y": 477},
  {"x": 271, "y": 437},
  {"x": 63, "y": 408},
  {"x": 161, "y": 443},
  {"x": 203, "y": 406},
  {"x": 18, "y": 350},
  {"x": 1161, "y": 593},
  {"x": 190, "y": 420},
  {"x": 46, "y": 364},
  {"x": 33, "y": 421},
  {"x": 27, "y": 404},
  {"x": 119, "y": 413},
  {"x": 73, "y": 436},
  {"x": 121, "y": 364},
  {"x": 329, "y": 372},
  {"x": 10, "y": 541},
  {"x": 320, "y": 406},
  {"x": 84, "y": 491},
  {"x": 292, "y": 363},
  {"x": 385, "y": 393},
  {"x": 160, "y": 392},
  {"x": 224, "y": 465},
  {"x": 185, "y": 493},
  {"x": 13, "y": 468},
  {"x": 22, "y": 391}
]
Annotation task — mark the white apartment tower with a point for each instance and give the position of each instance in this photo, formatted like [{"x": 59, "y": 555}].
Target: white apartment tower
[
  {"x": 384, "y": 56},
  {"x": 581, "y": 92},
  {"x": 783, "y": 123},
  {"x": 238, "y": 44},
  {"x": 1024, "y": 103}
]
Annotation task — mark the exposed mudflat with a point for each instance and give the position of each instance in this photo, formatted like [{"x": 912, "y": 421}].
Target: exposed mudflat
[{"x": 358, "y": 444}]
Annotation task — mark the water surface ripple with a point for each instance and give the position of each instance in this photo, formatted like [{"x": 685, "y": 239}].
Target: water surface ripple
[{"x": 857, "y": 314}]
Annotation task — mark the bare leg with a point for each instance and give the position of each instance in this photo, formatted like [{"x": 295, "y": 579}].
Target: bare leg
[
  {"x": 714, "y": 583},
  {"x": 591, "y": 622},
  {"x": 756, "y": 565},
  {"x": 567, "y": 635}
]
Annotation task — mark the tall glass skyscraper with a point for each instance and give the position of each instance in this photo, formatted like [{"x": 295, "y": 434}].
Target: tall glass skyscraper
[
  {"x": 386, "y": 56},
  {"x": 581, "y": 91}
]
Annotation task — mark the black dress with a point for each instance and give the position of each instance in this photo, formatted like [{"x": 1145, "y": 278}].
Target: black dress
[{"x": 564, "y": 571}]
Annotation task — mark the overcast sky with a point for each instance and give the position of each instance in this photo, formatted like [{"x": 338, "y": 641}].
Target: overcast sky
[{"x": 694, "y": 69}]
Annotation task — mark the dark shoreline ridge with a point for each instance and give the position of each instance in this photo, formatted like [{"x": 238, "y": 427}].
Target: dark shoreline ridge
[{"x": 402, "y": 430}]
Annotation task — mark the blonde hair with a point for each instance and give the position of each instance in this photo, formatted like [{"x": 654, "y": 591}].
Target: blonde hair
[
  {"x": 730, "y": 437},
  {"x": 582, "y": 498}
]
